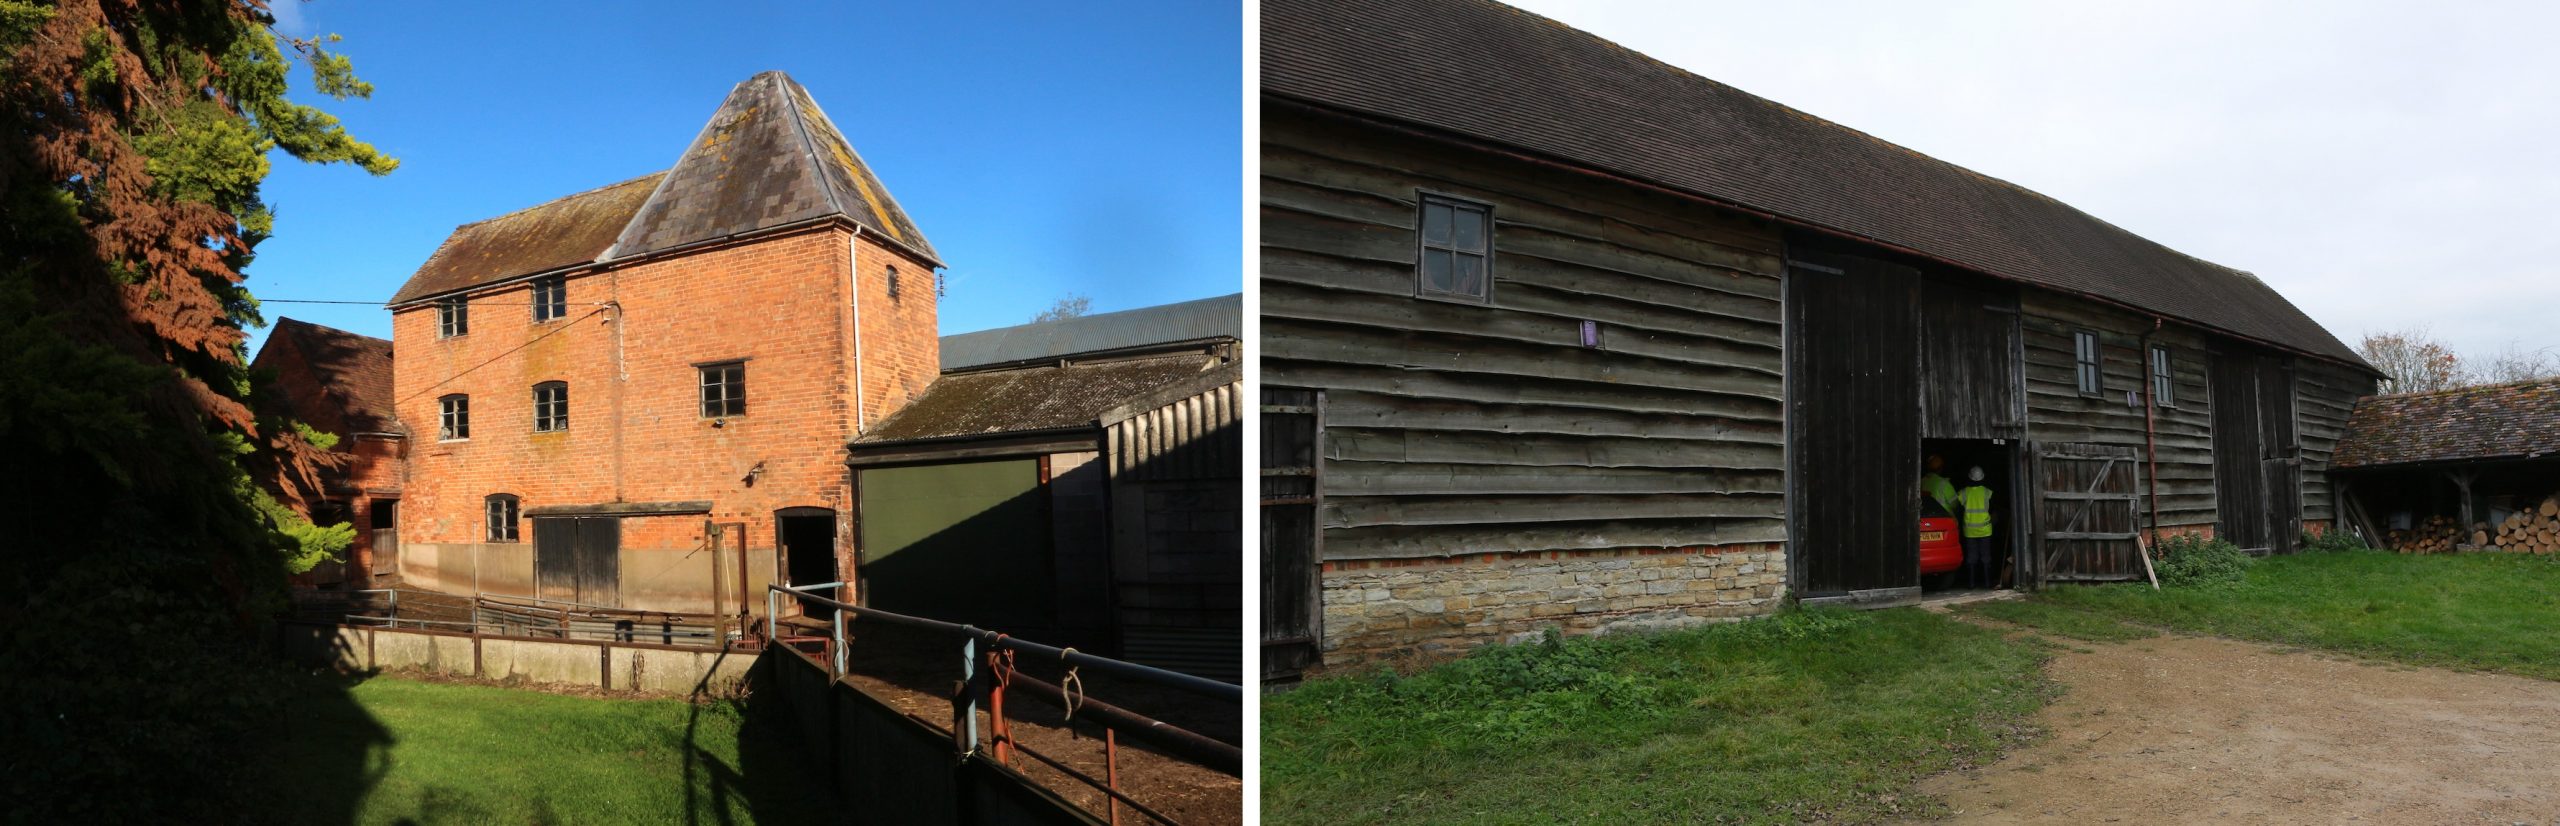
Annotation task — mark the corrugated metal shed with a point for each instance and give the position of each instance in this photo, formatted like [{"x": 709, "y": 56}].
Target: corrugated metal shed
[
  {"x": 1040, "y": 397},
  {"x": 1207, "y": 318}
]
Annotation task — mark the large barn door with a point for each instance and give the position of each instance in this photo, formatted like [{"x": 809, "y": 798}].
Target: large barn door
[
  {"x": 1853, "y": 391},
  {"x": 2086, "y": 513},
  {"x": 1292, "y": 612},
  {"x": 2257, "y": 466},
  {"x": 967, "y": 542}
]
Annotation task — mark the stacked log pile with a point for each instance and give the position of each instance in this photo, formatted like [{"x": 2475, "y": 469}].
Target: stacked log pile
[
  {"x": 2433, "y": 535},
  {"x": 2532, "y": 530}
]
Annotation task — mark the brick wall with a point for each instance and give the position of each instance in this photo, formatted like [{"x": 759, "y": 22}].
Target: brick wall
[
  {"x": 1432, "y": 609},
  {"x": 782, "y": 304}
]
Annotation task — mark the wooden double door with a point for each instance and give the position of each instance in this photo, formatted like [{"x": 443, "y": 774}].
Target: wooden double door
[
  {"x": 578, "y": 559},
  {"x": 2257, "y": 457}
]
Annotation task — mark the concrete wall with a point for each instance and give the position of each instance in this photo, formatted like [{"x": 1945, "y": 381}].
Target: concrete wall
[
  {"x": 616, "y": 667},
  {"x": 1382, "y": 609},
  {"x": 653, "y": 579}
]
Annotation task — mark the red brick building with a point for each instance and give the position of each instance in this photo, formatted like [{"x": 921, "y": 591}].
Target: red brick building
[
  {"x": 614, "y": 394},
  {"x": 340, "y": 383}
]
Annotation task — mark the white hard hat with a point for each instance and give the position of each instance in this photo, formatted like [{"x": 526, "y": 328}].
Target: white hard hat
[{"x": 1974, "y": 474}]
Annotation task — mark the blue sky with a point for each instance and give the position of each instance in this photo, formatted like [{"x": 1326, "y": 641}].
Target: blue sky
[{"x": 1046, "y": 149}]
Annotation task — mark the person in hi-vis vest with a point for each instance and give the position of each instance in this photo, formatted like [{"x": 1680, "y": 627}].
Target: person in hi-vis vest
[
  {"x": 1973, "y": 513},
  {"x": 1936, "y": 486}
]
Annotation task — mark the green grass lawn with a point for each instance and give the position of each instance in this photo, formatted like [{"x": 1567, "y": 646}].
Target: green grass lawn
[
  {"x": 2483, "y": 611},
  {"x": 390, "y": 750},
  {"x": 1813, "y": 715}
]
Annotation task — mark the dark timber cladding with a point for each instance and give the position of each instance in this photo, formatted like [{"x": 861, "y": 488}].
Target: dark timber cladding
[
  {"x": 2181, "y": 442},
  {"x": 1854, "y": 393},
  {"x": 1455, "y": 428},
  {"x": 2257, "y": 467}
]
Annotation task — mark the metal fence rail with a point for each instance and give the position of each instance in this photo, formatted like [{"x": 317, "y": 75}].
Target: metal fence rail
[
  {"x": 509, "y": 616},
  {"x": 989, "y": 676}
]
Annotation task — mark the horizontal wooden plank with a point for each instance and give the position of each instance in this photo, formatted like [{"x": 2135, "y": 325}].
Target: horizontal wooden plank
[
  {"x": 1355, "y": 478},
  {"x": 1370, "y": 511},
  {"x": 1354, "y": 344},
  {"x": 1405, "y": 313},
  {"x": 1365, "y": 445},
  {"x": 2089, "y": 535},
  {"x": 1423, "y": 542},
  {"x": 1396, "y": 381},
  {"x": 1308, "y": 232},
  {"x": 1352, "y": 408}
]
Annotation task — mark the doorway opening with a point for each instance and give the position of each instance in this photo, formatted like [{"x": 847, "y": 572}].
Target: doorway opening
[
  {"x": 1988, "y": 564},
  {"x": 807, "y": 537}
]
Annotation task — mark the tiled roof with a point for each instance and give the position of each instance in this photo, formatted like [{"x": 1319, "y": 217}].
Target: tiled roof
[
  {"x": 1207, "y": 318},
  {"x": 1037, "y": 398},
  {"x": 767, "y": 158},
  {"x": 2500, "y": 421},
  {"x": 353, "y": 371},
  {"x": 1484, "y": 71},
  {"x": 572, "y": 230}
]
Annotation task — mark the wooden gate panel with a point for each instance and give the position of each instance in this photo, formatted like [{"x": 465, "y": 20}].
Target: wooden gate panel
[
  {"x": 1292, "y": 606},
  {"x": 599, "y": 561},
  {"x": 1853, "y": 389},
  {"x": 555, "y": 557},
  {"x": 2086, "y": 513}
]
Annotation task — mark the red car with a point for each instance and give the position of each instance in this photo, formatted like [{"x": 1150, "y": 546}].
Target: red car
[{"x": 1939, "y": 550}]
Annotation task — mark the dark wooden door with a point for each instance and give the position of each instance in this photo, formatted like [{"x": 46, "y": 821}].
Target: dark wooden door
[
  {"x": 1853, "y": 427},
  {"x": 578, "y": 559},
  {"x": 1969, "y": 370},
  {"x": 1292, "y": 613},
  {"x": 2086, "y": 513},
  {"x": 386, "y": 536},
  {"x": 2257, "y": 474}
]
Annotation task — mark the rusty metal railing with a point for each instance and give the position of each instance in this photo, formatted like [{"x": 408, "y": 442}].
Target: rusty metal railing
[
  {"x": 987, "y": 670},
  {"x": 508, "y": 615}
]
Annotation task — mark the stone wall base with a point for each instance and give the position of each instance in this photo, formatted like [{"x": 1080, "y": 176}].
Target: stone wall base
[{"x": 1413, "y": 611}]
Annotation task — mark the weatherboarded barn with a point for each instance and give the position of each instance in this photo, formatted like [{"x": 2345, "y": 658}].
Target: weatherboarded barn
[
  {"x": 1556, "y": 334},
  {"x": 2467, "y": 467},
  {"x": 1073, "y": 480}
]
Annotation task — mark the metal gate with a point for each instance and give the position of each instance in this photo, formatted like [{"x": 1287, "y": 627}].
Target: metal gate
[
  {"x": 1292, "y": 614},
  {"x": 2086, "y": 513},
  {"x": 578, "y": 559}
]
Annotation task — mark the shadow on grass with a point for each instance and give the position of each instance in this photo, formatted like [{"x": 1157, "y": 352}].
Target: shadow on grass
[{"x": 768, "y": 777}]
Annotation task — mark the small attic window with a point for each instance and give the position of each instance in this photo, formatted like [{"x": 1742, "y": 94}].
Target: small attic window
[
  {"x": 550, "y": 298},
  {"x": 453, "y": 317},
  {"x": 893, "y": 283}
]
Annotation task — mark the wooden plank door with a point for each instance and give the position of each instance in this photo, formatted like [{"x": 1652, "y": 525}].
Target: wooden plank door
[
  {"x": 2257, "y": 460},
  {"x": 2086, "y": 513},
  {"x": 1292, "y": 607},
  {"x": 578, "y": 559},
  {"x": 1853, "y": 427}
]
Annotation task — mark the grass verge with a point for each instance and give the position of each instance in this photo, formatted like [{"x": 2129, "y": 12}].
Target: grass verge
[
  {"x": 2056, "y": 620},
  {"x": 451, "y": 753},
  {"x": 1813, "y": 715},
  {"x": 2478, "y": 611}
]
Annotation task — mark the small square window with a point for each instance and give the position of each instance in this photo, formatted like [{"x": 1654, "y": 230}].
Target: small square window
[
  {"x": 724, "y": 390},
  {"x": 456, "y": 418},
  {"x": 453, "y": 317},
  {"x": 2084, "y": 352},
  {"x": 503, "y": 512},
  {"x": 550, "y": 407},
  {"x": 2164, "y": 382},
  {"x": 550, "y": 298},
  {"x": 1456, "y": 255}
]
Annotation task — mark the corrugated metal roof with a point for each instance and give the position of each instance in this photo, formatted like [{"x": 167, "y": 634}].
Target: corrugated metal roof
[
  {"x": 1219, "y": 317},
  {"x": 1485, "y": 71},
  {"x": 2501, "y": 421},
  {"x": 767, "y": 158}
]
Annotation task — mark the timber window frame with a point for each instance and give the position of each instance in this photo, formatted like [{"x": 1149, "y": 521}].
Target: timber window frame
[
  {"x": 550, "y": 298},
  {"x": 1461, "y": 246},
  {"x": 723, "y": 389},
  {"x": 503, "y": 516},
  {"x": 2164, "y": 377},
  {"x": 551, "y": 407},
  {"x": 453, "y": 317},
  {"x": 453, "y": 416},
  {"x": 2088, "y": 362}
]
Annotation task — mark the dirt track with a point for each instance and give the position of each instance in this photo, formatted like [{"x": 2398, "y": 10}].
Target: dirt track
[{"x": 2195, "y": 730}]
